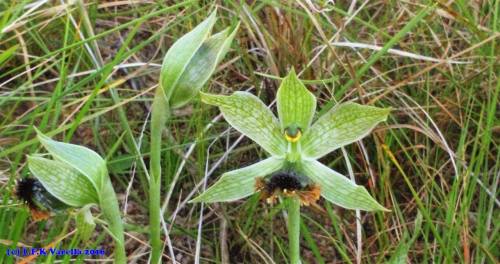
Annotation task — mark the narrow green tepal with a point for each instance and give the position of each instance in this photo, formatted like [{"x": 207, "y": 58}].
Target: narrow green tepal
[
  {"x": 343, "y": 124},
  {"x": 240, "y": 183},
  {"x": 296, "y": 105},
  {"x": 191, "y": 61},
  {"x": 339, "y": 190}
]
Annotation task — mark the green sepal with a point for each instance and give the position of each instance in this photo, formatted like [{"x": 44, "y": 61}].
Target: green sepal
[
  {"x": 296, "y": 105},
  {"x": 342, "y": 125},
  {"x": 82, "y": 159},
  {"x": 248, "y": 114},
  {"x": 181, "y": 52},
  {"x": 240, "y": 183},
  {"x": 337, "y": 189}
]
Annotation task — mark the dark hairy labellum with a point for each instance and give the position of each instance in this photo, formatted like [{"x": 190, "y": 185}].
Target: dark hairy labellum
[
  {"x": 38, "y": 199},
  {"x": 287, "y": 183},
  {"x": 285, "y": 180}
]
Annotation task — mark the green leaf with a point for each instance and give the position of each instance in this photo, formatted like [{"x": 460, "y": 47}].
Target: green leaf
[
  {"x": 339, "y": 190},
  {"x": 63, "y": 182},
  {"x": 84, "y": 160},
  {"x": 180, "y": 53},
  {"x": 248, "y": 114},
  {"x": 240, "y": 183},
  {"x": 296, "y": 105},
  {"x": 201, "y": 67},
  {"x": 85, "y": 223},
  {"x": 342, "y": 125}
]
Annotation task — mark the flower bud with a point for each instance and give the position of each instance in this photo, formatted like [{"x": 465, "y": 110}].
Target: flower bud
[{"x": 191, "y": 60}]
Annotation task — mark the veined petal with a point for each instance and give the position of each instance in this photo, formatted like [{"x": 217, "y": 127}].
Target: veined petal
[
  {"x": 248, "y": 114},
  {"x": 240, "y": 183},
  {"x": 296, "y": 105},
  {"x": 339, "y": 190},
  {"x": 342, "y": 125}
]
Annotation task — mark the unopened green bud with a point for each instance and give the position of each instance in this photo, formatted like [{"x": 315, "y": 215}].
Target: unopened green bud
[{"x": 191, "y": 61}]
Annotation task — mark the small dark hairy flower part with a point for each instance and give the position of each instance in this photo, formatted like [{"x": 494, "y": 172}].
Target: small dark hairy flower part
[
  {"x": 290, "y": 184},
  {"x": 38, "y": 199}
]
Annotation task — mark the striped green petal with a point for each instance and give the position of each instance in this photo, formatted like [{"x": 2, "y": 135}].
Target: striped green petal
[
  {"x": 296, "y": 105},
  {"x": 240, "y": 183},
  {"x": 339, "y": 190},
  {"x": 248, "y": 114},
  {"x": 342, "y": 125}
]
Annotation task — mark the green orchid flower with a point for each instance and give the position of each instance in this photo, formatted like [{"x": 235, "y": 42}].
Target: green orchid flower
[{"x": 294, "y": 145}]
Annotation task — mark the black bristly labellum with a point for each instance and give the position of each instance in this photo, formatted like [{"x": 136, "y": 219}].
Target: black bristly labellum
[
  {"x": 285, "y": 180},
  {"x": 39, "y": 200},
  {"x": 288, "y": 183}
]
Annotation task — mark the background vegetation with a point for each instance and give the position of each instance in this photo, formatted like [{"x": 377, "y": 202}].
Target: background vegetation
[{"x": 85, "y": 71}]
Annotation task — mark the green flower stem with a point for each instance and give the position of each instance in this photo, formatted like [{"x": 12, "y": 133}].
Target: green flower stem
[
  {"x": 294, "y": 229},
  {"x": 110, "y": 209},
  {"x": 159, "y": 116}
]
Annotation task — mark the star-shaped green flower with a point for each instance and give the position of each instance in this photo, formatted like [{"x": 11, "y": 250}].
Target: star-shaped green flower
[{"x": 293, "y": 143}]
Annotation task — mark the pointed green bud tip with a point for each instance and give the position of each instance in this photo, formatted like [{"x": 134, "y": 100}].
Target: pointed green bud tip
[{"x": 192, "y": 59}]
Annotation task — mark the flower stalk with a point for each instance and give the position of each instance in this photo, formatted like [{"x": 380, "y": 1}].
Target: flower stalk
[
  {"x": 294, "y": 229},
  {"x": 159, "y": 116},
  {"x": 111, "y": 211}
]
